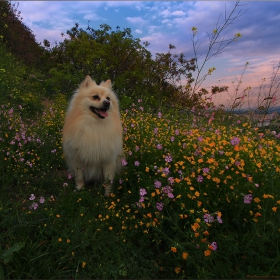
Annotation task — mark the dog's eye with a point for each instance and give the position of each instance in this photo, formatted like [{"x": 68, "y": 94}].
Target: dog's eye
[
  {"x": 96, "y": 97},
  {"x": 108, "y": 98}
]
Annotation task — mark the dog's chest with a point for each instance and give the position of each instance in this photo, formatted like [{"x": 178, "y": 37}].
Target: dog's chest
[{"x": 101, "y": 144}]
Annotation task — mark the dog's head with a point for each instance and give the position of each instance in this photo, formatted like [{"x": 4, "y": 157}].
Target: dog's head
[{"x": 98, "y": 100}]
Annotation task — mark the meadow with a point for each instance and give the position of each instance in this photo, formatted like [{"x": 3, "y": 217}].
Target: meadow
[{"x": 198, "y": 198}]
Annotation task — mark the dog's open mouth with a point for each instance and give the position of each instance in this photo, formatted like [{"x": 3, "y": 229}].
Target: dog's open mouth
[{"x": 101, "y": 113}]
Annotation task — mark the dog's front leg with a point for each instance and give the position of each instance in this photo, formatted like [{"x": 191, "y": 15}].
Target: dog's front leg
[
  {"x": 79, "y": 178},
  {"x": 109, "y": 171}
]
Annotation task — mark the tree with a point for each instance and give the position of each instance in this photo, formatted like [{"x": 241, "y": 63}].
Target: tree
[{"x": 103, "y": 54}]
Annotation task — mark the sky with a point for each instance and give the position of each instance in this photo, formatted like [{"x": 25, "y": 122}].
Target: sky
[{"x": 162, "y": 23}]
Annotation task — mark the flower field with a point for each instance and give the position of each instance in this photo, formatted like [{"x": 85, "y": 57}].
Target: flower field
[{"x": 199, "y": 197}]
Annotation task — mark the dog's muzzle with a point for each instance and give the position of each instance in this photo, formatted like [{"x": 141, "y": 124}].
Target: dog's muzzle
[{"x": 102, "y": 112}]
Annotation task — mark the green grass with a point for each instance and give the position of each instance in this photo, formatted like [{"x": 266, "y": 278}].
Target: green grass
[{"x": 179, "y": 169}]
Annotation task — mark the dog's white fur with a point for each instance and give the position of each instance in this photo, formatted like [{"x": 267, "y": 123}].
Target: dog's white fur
[{"x": 93, "y": 144}]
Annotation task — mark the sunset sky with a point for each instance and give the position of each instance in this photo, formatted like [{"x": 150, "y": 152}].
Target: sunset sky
[{"x": 162, "y": 23}]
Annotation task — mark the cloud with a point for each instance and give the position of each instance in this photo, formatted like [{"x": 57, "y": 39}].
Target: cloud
[
  {"x": 138, "y": 31},
  {"x": 137, "y": 20},
  {"x": 93, "y": 16},
  {"x": 165, "y": 13},
  {"x": 157, "y": 42}
]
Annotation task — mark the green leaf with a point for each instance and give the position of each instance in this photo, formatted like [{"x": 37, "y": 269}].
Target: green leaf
[{"x": 7, "y": 256}]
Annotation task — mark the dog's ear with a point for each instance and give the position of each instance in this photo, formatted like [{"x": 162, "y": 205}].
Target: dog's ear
[
  {"x": 87, "y": 81},
  {"x": 107, "y": 84}
]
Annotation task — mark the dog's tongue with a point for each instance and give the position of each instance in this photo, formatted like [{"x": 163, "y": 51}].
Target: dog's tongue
[{"x": 103, "y": 113}]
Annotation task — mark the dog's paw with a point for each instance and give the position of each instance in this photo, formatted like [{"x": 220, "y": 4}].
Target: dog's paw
[
  {"x": 78, "y": 188},
  {"x": 108, "y": 193}
]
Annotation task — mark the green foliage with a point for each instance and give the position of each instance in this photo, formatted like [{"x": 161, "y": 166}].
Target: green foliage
[
  {"x": 18, "y": 38},
  {"x": 19, "y": 85},
  {"x": 102, "y": 54}
]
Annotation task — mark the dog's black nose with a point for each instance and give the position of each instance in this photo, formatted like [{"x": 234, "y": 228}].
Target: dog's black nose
[{"x": 106, "y": 103}]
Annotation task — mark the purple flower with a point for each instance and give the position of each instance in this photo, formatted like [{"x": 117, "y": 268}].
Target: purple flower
[
  {"x": 168, "y": 190},
  {"x": 136, "y": 163},
  {"x": 32, "y": 197},
  {"x": 141, "y": 199},
  {"x": 165, "y": 171},
  {"x": 205, "y": 170},
  {"x": 170, "y": 180},
  {"x": 143, "y": 192},
  {"x": 34, "y": 206},
  {"x": 170, "y": 195},
  {"x": 159, "y": 115},
  {"x": 177, "y": 132},
  {"x": 159, "y": 205},
  {"x": 235, "y": 141},
  {"x": 248, "y": 198},
  {"x": 124, "y": 162},
  {"x": 42, "y": 200},
  {"x": 219, "y": 220},
  {"x": 214, "y": 246},
  {"x": 156, "y": 130},
  {"x": 208, "y": 218},
  {"x": 69, "y": 176},
  {"x": 168, "y": 158},
  {"x": 172, "y": 138},
  {"x": 159, "y": 146},
  {"x": 157, "y": 184},
  {"x": 199, "y": 178},
  {"x": 200, "y": 139}
]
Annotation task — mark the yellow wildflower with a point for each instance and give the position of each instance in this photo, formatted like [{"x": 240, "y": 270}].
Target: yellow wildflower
[
  {"x": 177, "y": 270},
  {"x": 174, "y": 249},
  {"x": 184, "y": 255},
  {"x": 257, "y": 200},
  {"x": 207, "y": 253}
]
